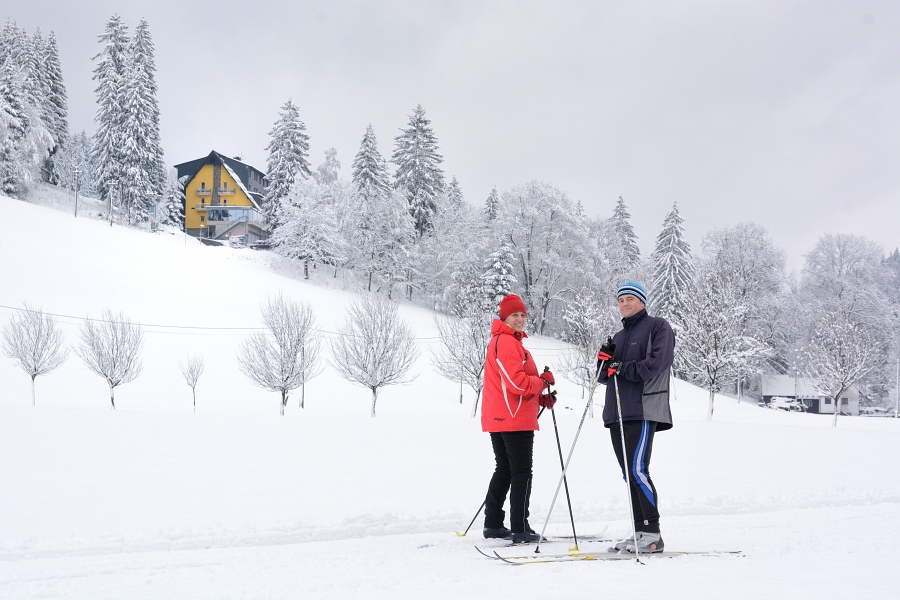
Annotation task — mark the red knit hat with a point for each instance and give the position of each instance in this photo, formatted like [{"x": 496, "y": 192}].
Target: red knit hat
[{"x": 511, "y": 303}]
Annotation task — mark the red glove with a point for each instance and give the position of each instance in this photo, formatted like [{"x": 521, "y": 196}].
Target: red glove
[
  {"x": 548, "y": 377},
  {"x": 547, "y": 400},
  {"x": 604, "y": 356},
  {"x": 613, "y": 368}
]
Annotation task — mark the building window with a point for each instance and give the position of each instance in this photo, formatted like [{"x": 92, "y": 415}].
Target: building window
[
  {"x": 202, "y": 185},
  {"x": 845, "y": 401},
  {"x": 827, "y": 400}
]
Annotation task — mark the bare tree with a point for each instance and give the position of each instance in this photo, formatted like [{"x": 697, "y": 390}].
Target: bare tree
[
  {"x": 374, "y": 347},
  {"x": 588, "y": 324},
  {"x": 111, "y": 347},
  {"x": 462, "y": 352},
  {"x": 32, "y": 339},
  {"x": 715, "y": 347},
  {"x": 285, "y": 356},
  {"x": 192, "y": 369},
  {"x": 839, "y": 354}
]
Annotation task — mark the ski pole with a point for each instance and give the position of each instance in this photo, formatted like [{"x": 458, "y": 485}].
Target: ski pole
[
  {"x": 537, "y": 550},
  {"x": 637, "y": 556},
  {"x": 561, "y": 464},
  {"x": 463, "y": 534}
]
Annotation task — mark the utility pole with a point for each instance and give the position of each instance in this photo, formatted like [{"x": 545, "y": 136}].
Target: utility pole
[
  {"x": 76, "y": 192},
  {"x": 112, "y": 186}
]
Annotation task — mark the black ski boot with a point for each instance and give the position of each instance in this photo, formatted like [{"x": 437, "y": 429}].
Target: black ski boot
[{"x": 498, "y": 533}]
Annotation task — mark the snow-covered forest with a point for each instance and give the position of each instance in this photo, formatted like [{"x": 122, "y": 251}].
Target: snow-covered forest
[{"x": 400, "y": 227}]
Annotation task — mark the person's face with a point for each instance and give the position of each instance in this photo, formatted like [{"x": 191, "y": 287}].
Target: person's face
[
  {"x": 629, "y": 305},
  {"x": 517, "y": 321}
]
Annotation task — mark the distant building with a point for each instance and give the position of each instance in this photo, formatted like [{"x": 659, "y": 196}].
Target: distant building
[
  {"x": 786, "y": 386},
  {"x": 223, "y": 198}
]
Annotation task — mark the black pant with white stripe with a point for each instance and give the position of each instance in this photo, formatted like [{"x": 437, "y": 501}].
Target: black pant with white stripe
[
  {"x": 639, "y": 445},
  {"x": 513, "y": 452}
]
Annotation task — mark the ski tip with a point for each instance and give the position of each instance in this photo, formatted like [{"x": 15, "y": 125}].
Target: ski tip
[{"x": 460, "y": 534}]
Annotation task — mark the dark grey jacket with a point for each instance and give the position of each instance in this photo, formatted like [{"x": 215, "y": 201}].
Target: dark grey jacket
[{"x": 646, "y": 348}]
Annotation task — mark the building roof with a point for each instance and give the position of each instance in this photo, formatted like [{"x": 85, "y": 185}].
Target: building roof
[{"x": 239, "y": 171}]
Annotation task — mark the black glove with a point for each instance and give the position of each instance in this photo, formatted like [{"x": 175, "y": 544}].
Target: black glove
[
  {"x": 613, "y": 368},
  {"x": 606, "y": 352}
]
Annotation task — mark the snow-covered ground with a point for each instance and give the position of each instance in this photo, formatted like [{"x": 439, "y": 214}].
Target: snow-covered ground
[{"x": 153, "y": 501}]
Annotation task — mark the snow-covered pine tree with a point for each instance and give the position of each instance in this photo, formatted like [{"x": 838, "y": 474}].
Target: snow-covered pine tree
[
  {"x": 625, "y": 256},
  {"x": 144, "y": 177},
  {"x": 454, "y": 194},
  {"x": 74, "y": 152},
  {"x": 25, "y": 142},
  {"x": 499, "y": 275},
  {"x": 418, "y": 174},
  {"x": 328, "y": 172},
  {"x": 288, "y": 159},
  {"x": 492, "y": 205},
  {"x": 110, "y": 77},
  {"x": 370, "y": 172},
  {"x": 57, "y": 99},
  {"x": 173, "y": 209},
  {"x": 673, "y": 269}
]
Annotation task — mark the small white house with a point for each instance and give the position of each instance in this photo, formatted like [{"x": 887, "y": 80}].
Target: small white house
[{"x": 787, "y": 386}]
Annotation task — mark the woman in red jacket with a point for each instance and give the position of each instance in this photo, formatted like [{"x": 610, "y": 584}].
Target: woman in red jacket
[{"x": 509, "y": 412}]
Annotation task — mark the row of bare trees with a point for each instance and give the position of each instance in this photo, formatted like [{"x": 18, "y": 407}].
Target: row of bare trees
[
  {"x": 374, "y": 348},
  {"x": 110, "y": 346}
]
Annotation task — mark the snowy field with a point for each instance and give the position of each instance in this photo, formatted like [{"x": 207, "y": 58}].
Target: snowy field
[{"x": 153, "y": 501}]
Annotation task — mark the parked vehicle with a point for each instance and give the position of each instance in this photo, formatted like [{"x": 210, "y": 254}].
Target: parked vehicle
[{"x": 788, "y": 404}]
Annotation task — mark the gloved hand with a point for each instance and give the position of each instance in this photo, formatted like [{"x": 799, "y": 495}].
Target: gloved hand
[
  {"x": 547, "y": 400},
  {"x": 613, "y": 368},
  {"x": 606, "y": 351},
  {"x": 547, "y": 376}
]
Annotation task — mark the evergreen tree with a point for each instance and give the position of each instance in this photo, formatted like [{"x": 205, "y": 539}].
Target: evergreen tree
[
  {"x": 74, "y": 152},
  {"x": 328, "y": 172},
  {"x": 625, "y": 256},
  {"x": 492, "y": 205},
  {"x": 110, "y": 75},
  {"x": 370, "y": 174},
  {"x": 144, "y": 177},
  {"x": 673, "y": 271},
  {"x": 173, "y": 209},
  {"x": 499, "y": 275},
  {"x": 419, "y": 176},
  {"x": 57, "y": 100},
  {"x": 288, "y": 159},
  {"x": 454, "y": 194}
]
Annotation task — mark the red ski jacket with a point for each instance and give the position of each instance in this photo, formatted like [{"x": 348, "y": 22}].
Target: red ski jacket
[{"x": 512, "y": 386}]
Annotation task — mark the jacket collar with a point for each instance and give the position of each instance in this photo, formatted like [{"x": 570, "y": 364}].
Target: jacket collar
[
  {"x": 498, "y": 327},
  {"x": 630, "y": 321}
]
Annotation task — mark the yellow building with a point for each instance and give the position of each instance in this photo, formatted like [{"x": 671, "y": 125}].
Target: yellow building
[{"x": 223, "y": 198}]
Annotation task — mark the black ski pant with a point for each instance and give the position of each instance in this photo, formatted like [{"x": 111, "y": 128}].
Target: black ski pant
[
  {"x": 638, "y": 446},
  {"x": 513, "y": 452}
]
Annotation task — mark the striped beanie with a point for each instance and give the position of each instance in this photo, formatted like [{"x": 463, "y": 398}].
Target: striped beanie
[{"x": 635, "y": 289}]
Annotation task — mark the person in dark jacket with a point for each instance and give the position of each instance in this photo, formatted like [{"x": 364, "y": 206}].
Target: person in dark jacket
[
  {"x": 509, "y": 412},
  {"x": 639, "y": 362}
]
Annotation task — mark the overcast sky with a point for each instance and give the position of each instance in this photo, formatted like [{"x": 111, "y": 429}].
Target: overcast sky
[{"x": 783, "y": 113}]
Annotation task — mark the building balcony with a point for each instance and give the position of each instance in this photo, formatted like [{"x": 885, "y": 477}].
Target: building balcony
[
  {"x": 226, "y": 192},
  {"x": 204, "y": 192},
  {"x": 201, "y": 207}
]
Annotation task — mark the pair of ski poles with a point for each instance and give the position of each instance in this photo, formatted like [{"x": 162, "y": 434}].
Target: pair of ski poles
[
  {"x": 565, "y": 466},
  {"x": 563, "y": 481}
]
